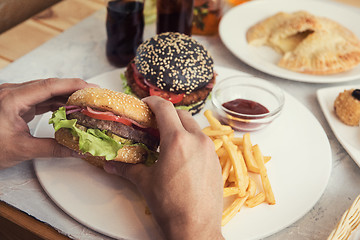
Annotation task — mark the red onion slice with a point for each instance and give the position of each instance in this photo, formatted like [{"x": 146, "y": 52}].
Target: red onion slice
[{"x": 71, "y": 109}]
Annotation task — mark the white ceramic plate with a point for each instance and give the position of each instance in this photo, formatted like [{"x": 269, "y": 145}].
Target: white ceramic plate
[
  {"x": 238, "y": 20},
  {"x": 348, "y": 136},
  {"x": 355, "y": 235},
  {"x": 111, "y": 206}
]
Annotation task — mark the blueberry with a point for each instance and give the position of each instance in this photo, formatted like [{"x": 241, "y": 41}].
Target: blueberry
[{"x": 356, "y": 94}]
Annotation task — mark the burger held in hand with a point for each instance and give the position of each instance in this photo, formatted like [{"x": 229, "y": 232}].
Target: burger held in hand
[
  {"x": 175, "y": 67},
  {"x": 101, "y": 125}
]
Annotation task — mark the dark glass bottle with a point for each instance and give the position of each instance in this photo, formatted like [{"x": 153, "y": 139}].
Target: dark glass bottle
[
  {"x": 124, "y": 25},
  {"x": 174, "y": 16}
]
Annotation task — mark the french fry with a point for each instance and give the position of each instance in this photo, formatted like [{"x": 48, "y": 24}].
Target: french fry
[
  {"x": 223, "y": 157},
  {"x": 237, "y": 141},
  {"x": 229, "y": 191},
  {"x": 222, "y": 163},
  {"x": 209, "y": 128},
  {"x": 227, "y": 128},
  {"x": 214, "y": 123},
  {"x": 226, "y": 170},
  {"x": 221, "y": 151},
  {"x": 251, "y": 188},
  {"x": 231, "y": 177},
  {"x": 218, "y": 143},
  {"x": 233, "y": 209},
  {"x": 254, "y": 201},
  {"x": 241, "y": 179},
  {"x": 264, "y": 177},
  {"x": 248, "y": 155},
  {"x": 243, "y": 168},
  {"x": 212, "y": 133},
  {"x": 266, "y": 158},
  {"x": 231, "y": 135}
]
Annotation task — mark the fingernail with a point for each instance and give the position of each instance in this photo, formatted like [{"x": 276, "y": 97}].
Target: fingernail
[
  {"x": 109, "y": 168},
  {"x": 93, "y": 85}
]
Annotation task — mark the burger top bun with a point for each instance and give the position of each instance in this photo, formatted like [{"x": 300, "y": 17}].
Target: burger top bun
[
  {"x": 174, "y": 62},
  {"x": 120, "y": 104}
]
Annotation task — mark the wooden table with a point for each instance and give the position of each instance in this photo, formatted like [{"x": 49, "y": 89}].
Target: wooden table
[
  {"x": 32, "y": 33},
  {"x": 15, "y": 43}
]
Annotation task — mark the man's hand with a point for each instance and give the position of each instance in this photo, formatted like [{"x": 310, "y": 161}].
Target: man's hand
[
  {"x": 19, "y": 103},
  {"x": 183, "y": 189}
]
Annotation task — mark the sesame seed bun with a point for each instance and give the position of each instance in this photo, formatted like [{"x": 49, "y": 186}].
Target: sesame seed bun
[
  {"x": 174, "y": 62},
  {"x": 133, "y": 154},
  {"x": 118, "y": 103}
]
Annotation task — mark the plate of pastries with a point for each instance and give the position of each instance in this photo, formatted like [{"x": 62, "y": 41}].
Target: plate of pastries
[{"x": 295, "y": 40}]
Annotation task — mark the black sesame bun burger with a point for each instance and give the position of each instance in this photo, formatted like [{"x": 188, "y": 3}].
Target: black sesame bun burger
[
  {"x": 101, "y": 125},
  {"x": 173, "y": 66}
]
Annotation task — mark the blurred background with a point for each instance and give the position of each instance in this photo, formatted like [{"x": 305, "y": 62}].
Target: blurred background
[{"x": 27, "y": 24}]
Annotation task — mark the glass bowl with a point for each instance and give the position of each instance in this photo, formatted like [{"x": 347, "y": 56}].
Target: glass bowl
[{"x": 251, "y": 95}]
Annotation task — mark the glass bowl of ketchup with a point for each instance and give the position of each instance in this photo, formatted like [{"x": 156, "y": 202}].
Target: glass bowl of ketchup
[{"x": 247, "y": 103}]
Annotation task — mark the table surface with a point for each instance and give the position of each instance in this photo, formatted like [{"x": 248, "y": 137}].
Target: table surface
[
  {"x": 43, "y": 27},
  {"x": 80, "y": 52}
]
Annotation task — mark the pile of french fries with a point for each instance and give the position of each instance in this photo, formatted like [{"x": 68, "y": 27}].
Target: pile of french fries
[{"x": 238, "y": 157}]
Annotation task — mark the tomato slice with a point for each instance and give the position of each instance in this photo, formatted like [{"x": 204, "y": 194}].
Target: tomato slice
[
  {"x": 137, "y": 79},
  {"x": 105, "y": 116},
  {"x": 172, "y": 97}
]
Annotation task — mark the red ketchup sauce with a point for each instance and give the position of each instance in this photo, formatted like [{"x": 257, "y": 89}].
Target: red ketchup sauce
[
  {"x": 247, "y": 107},
  {"x": 244, "y": 106}
]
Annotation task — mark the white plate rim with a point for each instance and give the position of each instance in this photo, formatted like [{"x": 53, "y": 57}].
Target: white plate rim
[{"x": 260, "y": 9}]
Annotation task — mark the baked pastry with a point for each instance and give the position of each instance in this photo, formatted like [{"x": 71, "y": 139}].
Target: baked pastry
[
  {"x": 259, "y": 34},
  {"x": 290, "y": 33},
  {"x": 330, "y": 49},
  {"x": 309, "y": 44},
  {"x": 347, "y": 107}
]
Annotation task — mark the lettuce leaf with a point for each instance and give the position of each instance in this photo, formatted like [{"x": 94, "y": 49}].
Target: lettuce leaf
[
  {"x": 126, "y": 87},
  {"x": 97, "y": 143}
]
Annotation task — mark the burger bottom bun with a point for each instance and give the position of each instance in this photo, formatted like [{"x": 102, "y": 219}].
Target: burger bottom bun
[{"x": 127, "y": 154}]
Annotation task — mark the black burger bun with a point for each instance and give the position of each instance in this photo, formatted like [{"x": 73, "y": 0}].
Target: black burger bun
[{"x": 174, "y": 62}]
